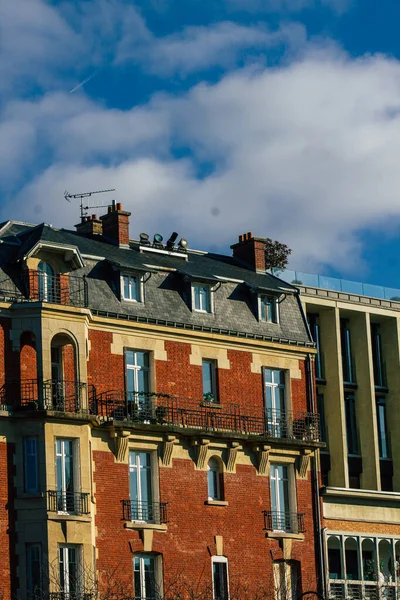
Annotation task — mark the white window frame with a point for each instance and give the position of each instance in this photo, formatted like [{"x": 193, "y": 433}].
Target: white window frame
[
  {"x": 31, "y": 462},
  {"x": 138, "y": 284},
  {"x": 135, "y": 367},
  {"x": 157, "y": 575},
  {"x": 76, "y": 472},
  {"x": 209, "y": 295},
  {"x": 46, "y": 282},
  {"x": 275, "y": 309},
  {"x": 65, "y": 549},
  {"x": 153, "y": 479},
  {"x": 216, "y": 470},
  {"x": 223, "y": 560},
  {"x": 284, "y": 577},
  {"x": 291, "y": 507},
  {"x": 276, "y": 415}
]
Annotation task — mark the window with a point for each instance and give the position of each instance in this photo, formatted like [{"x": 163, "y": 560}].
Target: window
[
  {"x": 282, "y": 518},
  {"x": 214, "y": 479},
  {"x": 201, "y": 298},
  {"x": 131, "y": 288},
  {"x": 141, "y": 488},
  {"x": 351, "y": 424},
  {"x": 69, "y": 566},
  {"x": 347, "y": 362},
  {"x": 321, "y": 413},
  {"x": 34, "y": 571},
  {"x": 384, "y": 451},
  {"x": 286, "y": 577},
  {"x": 46, "y": 282},
  {"x": 220, "y": 578},
  {"x": 146, "y": 569},
  {"x": 377, "y": 356},
  {"x": 31, "y": 467},
  {"x": 268, "y": 309},
  {"x": 65, "y": 474},
  {"x": 209, "y": 375},
  {"x": 313, "y": 322},
  {"x": 274, "y": 380},
  {"x": 137, "y": 382}
]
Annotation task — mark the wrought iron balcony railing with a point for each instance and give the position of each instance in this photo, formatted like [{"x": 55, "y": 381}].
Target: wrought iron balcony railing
[
  {"x": 289, "y": 522},
  {"x": 56, "y": 289},
  {"x": 148, "y": 512},
  {"x": 187, "y": 412},
  {"x": 59, "y": 395},
  {"x": 76, "y": 503}
]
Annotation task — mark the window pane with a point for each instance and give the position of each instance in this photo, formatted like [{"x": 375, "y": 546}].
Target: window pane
[
  {"x": 129, "y": 357},
  {"x": 142, "y": 359},
  {"x": 31, "y": 464},
  {"x": 207, "y": 377},
  {"x": 196, "y": 293},
  {"x": 220, "y": 577}
]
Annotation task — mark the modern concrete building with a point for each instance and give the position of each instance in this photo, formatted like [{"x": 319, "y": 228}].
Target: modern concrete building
[
  {"x": 157, "y": 422},
  {"x": 358, "y": 394}
]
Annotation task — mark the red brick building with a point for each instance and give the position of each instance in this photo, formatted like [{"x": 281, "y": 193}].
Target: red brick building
[{"x": 158, "y": 429}]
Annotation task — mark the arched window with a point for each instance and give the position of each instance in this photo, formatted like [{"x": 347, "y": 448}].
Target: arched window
[
  {"x": 214, "y": 479},
  {"x": 46, "y": 282}
]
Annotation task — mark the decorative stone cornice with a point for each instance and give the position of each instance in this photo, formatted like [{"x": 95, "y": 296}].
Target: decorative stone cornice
[
  {"x": 121, "y": 442},
  {"x": 202, "y": 449},
  {"x": 168, "y": 447},
  {"x": 303, "y": 463},
  {"x": 263, "y": 458},
  {"x": 232, "y": 456}
]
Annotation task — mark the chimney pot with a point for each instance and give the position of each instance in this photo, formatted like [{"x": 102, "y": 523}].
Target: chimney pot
[{"x": 119, "y": 206}]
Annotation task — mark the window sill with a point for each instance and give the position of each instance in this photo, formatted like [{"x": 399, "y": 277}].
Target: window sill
[
  {"x": 69, "y": 517},
  {"x": 285, "y": 535},
  {"x": 141, "y": 525},
  {"x": 210, "y": 404},
  {"x": 216, "y": 503}
]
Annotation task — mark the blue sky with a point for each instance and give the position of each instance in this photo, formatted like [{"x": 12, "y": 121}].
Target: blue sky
[{"x": 211, "y": 118}]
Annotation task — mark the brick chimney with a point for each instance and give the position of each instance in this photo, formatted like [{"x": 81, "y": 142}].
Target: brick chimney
[
  {"x": 251, "y": 251},
  {"x": 116, "y": 224},
  {"x": 90, "y": 226}
]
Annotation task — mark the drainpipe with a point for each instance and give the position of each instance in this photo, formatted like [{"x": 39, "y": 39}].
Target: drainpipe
[{"x": 320, "y": 532}]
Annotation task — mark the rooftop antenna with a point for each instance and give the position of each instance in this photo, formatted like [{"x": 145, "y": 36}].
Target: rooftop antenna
[{"x": 83, "y": 195}]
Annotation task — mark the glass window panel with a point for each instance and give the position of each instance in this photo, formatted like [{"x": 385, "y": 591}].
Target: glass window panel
[
  {"x": 143, "y": 381},
  {"x": 130, "y": 380},
  {"x": 142, "y": 359},
  {"x": 268, "y": 375},
  {"x": 207, "y": 377},
  {"x": 129, "y": 357},
  {"x": 31, "y": 464}
]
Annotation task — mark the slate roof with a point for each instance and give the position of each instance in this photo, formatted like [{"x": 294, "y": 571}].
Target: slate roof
[{"x": 167, "y": 284}]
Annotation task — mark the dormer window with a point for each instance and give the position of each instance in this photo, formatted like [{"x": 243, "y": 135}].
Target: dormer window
[
  {"x": 201, "y": 298},
  {"x": 268, "y": 309},
  {"x": 131, "y": 288},
  {"x": 46, "y": 282}
]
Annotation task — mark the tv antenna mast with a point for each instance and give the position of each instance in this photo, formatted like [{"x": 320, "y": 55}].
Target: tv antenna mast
[{"x": 83, "y": 195}]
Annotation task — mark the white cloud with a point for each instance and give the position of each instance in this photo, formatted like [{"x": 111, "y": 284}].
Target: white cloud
[
  {"x": 200, "y": 48},
  {"x": 306, "y": 153}
]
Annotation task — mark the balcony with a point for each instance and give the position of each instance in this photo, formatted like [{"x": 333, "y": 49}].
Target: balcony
[
  {"x": 56, "y": 289},
  {"x": 363, "y": 590},
  {"x": 76, "y": 503},
  {"x": 58, "y": 395},
  {"x": 287, "y": 522},
  {"x": 148, "y": 512},
  {"x": 164, "y": 410}
]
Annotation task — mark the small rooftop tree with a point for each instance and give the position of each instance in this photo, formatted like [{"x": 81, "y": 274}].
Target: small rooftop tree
[{"x": 276, "y": 255}]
